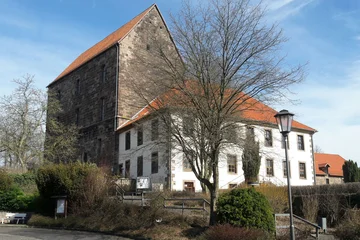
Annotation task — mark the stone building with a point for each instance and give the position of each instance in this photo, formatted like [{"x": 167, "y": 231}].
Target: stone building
[
  {"x": 96, "y": 91},
  {"x": 329, "y": 168}
]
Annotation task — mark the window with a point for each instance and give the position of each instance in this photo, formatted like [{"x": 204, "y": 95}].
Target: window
[
  {"x": 77, "y": 91},
  {"x": 140, "y": 136},
  {"x": 302, "y": 170},
  {"x": 58, "y": 95},
  {"x": 127, "y": 140},
  {"x": 77, "y": 116},
  {"x": 327, "y": 181},
  {"x": 99, "y": 146},
  {"x": 230, "y": 134},
  {"x": 268, "y": 138},
  {"x": 103, "y": 74},
  {"x": 140, "y": 166},
  {"x": 186, "y": 164},
  {"x": 188, "y": 125},
  {"x": 127, "y": 169},
  {"x": 250, "y": 130},
  {"x": 283, "y": 142},
  {"x": 269, "y": 167},
  {"x": 300, "y": 142},
  {"x": 121, "y": 169},
  {"x": 285, "y": 170},
  {"x": 154, "y": 162},
  {"x": 231, "y": 160},
  {"x": 154, "y": 129},
  {"x": 85, "y": 158},
  {"x": 102, "y": 109}
]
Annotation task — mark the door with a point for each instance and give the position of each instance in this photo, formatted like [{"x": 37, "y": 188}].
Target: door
[{"x": 189, "y": 186}]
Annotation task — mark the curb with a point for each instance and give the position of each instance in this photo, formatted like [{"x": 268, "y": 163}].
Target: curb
[
  {"x": 89, "y": 231},
  {"x": 14, "y": 225}
]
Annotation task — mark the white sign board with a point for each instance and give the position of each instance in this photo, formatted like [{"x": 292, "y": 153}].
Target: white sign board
[
  {"x": 60, "y": 206},
  {"x": 143, "y": 183}
]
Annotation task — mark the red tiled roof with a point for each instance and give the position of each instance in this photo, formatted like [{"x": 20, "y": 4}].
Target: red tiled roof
[
  {"x": 263, "y": 113},
  {"x": 104, "y": 44},
  {"x": 334, "y": 161},
  {"x": 257, "y": 112}
]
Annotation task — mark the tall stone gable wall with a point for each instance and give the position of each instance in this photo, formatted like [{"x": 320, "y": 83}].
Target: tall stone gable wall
[
  {"x": 139, "y": 43},
  {"x": 92, "y": 90},
  {"x": 97, "y": 140}
]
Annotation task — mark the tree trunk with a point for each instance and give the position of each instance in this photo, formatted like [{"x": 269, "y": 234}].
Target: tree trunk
[
  {"x": 203, "y": 188},
  {"x": 214, "y": 193},
  {"x": 213, "y": 199}
]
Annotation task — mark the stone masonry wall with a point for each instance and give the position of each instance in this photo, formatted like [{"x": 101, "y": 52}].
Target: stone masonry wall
[
  {"x": 98, "y": 136},
  {"x": 140, "y": 43},
  {"x": 321, "y": 180}
]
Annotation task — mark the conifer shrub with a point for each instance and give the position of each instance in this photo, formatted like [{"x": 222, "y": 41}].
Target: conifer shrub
[{"x": 245, "y": 208}]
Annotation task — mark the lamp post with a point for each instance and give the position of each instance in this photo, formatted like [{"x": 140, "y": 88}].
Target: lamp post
[{"x": 284, "y": 121}]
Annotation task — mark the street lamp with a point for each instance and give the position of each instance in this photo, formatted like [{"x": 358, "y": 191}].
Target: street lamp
[{"x": 284, "y": 120}]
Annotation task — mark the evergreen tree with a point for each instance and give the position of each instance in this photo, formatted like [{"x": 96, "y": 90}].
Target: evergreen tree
[
  {"x": 251, "y": 158},
  {"x": 351, "y": 171}
]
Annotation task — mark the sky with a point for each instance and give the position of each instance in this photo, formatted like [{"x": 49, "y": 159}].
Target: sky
[{"x": 42, "y": 37}]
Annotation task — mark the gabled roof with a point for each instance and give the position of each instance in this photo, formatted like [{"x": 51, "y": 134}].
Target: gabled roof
[
  {"x": 333, "y": 161},
  {"x": 256, "y": 113},
  {"x": 104, "y": 44}
]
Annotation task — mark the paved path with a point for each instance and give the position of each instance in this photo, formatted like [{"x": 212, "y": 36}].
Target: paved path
[{"x": 24, "y": 233}]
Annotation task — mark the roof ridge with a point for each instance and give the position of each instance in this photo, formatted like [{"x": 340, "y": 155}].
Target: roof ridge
[{"x": 104, "y": 44}]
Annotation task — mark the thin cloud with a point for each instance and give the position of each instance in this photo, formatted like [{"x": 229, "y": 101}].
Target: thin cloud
[{"x": 282, "y": 9}]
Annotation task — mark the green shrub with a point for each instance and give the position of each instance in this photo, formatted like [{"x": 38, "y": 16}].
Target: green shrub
[
  {"x": 14, "y": 200},
  {"x": 25, "y": 181},
  {"x": 229, "y": 232},
  {"x": 6, "y": 182},
  {"x": 245, "y": 208},
  {"x": 84, "y": 185}
]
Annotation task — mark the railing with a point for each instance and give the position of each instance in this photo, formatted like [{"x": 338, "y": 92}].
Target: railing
[
  {"x": 183, "y": 206},
  {"x": 123, "y": 195},
  {"x": 299, "y": 218}
]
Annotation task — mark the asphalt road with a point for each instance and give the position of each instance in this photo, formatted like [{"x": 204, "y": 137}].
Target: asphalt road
[{"x": 23, "y": 233}]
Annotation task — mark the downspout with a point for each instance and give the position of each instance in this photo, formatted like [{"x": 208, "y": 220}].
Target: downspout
[
  {"x": 170, "y": 166},
  {"x": 313, "y": 157},
  {"x": 116, "y": 85},
  {"x": 115, "y": 167}
]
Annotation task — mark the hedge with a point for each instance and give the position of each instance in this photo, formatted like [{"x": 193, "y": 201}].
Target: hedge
[{"x": 78, "y": 181}]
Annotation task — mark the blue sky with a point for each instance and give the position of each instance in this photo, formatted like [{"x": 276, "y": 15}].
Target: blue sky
[{"x": 42, "y": 37}]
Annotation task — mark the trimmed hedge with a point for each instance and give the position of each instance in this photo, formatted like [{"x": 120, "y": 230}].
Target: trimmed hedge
[
  {"x": 330, "y": 201},
  {"x": 245, "y": 208}
]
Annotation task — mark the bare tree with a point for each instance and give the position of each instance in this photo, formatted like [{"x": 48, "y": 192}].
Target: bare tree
[
  {"x": 22, "y": 127},
  {"x": 22, "y": 124},
  {"x": 318, "y": 149},
  {"x": 61, "y": 142},
  {"x": 229, "y": 62}
]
